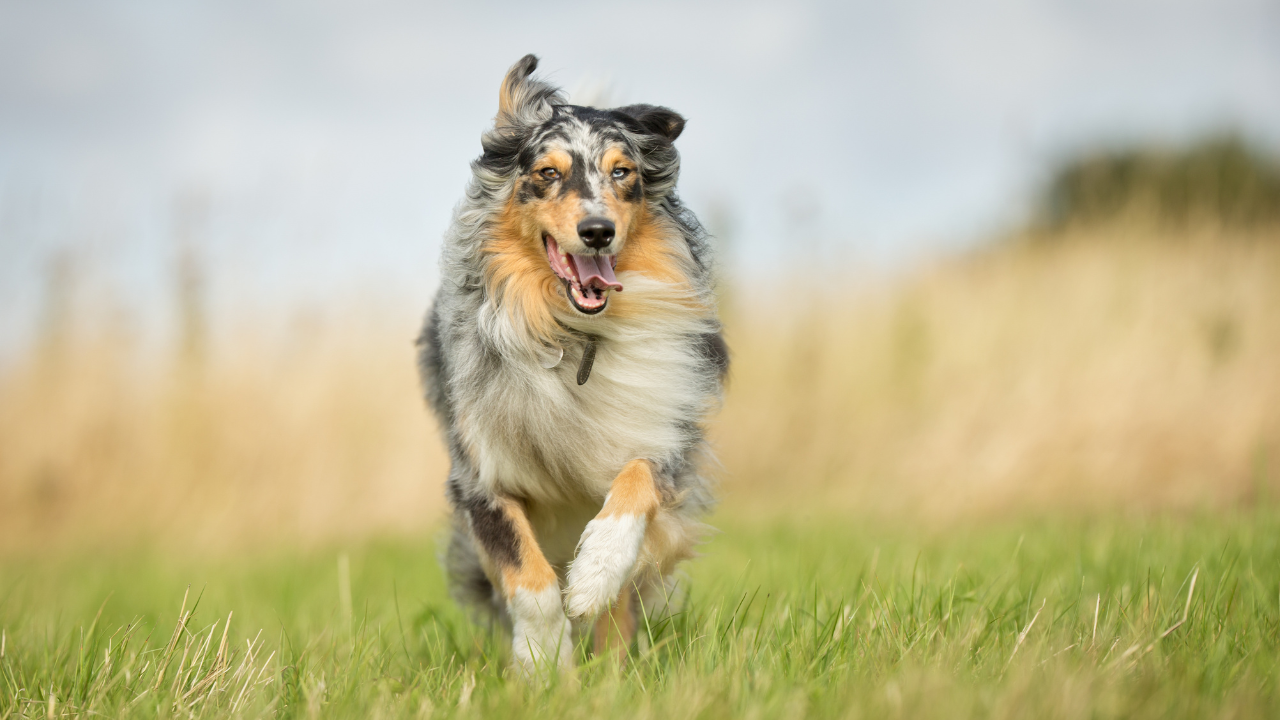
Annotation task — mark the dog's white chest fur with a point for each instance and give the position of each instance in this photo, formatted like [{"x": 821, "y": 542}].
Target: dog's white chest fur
[{"x": 535, "y": 433}]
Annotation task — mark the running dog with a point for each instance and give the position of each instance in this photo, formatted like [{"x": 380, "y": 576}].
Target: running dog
[{"x": 571, "y": 356}]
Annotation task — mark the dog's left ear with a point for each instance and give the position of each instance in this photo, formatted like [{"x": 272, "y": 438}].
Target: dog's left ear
[{"x": 666, "y": 123}]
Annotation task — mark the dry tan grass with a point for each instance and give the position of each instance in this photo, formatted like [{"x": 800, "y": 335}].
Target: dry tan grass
[
  {"x": 1118, "y": 369},
  {"x": 315, "y": 438},
  {"x": 1113, "y": 370}
]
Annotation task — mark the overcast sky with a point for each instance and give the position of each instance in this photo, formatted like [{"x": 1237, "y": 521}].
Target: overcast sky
[{"x": 329, "y": 140}]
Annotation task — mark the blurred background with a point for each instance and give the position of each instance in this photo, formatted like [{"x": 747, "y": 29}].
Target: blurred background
[{"x": 978, "y": 259}]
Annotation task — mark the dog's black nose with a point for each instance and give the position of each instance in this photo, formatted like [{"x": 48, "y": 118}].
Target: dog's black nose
[{"x": 596, "y": 232}]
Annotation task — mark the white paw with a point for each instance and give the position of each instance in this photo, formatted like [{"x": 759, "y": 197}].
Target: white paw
[
  {"x": 542, "y": 635},
  {"x": 606, "y": 557}
]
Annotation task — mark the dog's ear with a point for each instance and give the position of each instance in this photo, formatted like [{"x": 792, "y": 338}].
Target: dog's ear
[
  {"x": 660, "y": 162},
  {"x": 663, "y": 122},
  {"x": 524, "y": 100}
]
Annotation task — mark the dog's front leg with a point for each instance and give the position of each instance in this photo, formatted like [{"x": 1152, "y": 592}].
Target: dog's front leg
[
  {"x": 542, "y": 635},
  {"x": 610, "y": 545}
]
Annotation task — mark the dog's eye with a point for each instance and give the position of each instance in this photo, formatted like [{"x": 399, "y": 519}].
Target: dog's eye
[
  {"x": 621, "y": 172},
  {"x": 550, "y": 173}
]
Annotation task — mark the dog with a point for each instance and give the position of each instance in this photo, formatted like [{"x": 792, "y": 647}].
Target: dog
[{"x": 571, "y": 356}]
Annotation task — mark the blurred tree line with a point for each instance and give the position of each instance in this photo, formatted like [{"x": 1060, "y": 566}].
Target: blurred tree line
[{"x": 1222, "y": 181}]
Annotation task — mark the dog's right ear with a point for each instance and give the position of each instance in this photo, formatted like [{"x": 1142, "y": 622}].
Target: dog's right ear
[
  {"x": 663, "y": 123},
  {"x": 524, "y": 100}
]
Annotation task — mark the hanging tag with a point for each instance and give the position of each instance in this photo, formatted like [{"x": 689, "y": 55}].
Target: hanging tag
[
  {"x": 588, "y": 359},
  {"x": 550, "y": 356}
]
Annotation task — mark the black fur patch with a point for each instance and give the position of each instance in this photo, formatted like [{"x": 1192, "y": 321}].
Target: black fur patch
[
  {"x": 655, "y": 120},
  {"x": 530, "y": 189},
  {"x": 577, "y": 180},
  {"x": 431, "y": 369},
  {"x": 716, "y": 351},
  {"x": 468, "y": 583},
  {"x": 494, "y": 531},
  {"x": 501, "y": 150}
]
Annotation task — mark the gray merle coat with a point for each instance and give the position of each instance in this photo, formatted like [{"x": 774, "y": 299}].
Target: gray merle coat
[{"x": 571, "y": 356}]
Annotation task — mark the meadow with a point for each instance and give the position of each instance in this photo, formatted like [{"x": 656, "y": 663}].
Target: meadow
[
  {"x": 1111, "y": 617},
  {"x": 1036, "y": 479}
]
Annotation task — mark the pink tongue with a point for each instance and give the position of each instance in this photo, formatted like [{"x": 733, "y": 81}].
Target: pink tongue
[{"x": 597, "y": 271}]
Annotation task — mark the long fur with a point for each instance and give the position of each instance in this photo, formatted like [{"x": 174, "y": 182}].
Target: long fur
[{"x": 500, "y": 350}]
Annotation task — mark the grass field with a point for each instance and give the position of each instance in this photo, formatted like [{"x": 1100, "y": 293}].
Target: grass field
[
  {"x": 1036, "y": 480},
  {"x": 1121, "y": 617}
]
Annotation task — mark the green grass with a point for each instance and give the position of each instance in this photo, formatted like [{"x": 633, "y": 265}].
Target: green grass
[{"x": 802, "y": 618}]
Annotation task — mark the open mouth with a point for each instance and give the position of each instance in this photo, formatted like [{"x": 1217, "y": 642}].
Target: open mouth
[{"x": 588, "y": 278}]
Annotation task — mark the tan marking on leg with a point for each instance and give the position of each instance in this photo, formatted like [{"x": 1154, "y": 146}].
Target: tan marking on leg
[
  {"x": 611, "y": 542},
  {"x": 534, "y": 573},
  {"x": 615, "y": 629},
  {"x": 541, "y": 636},
  {"x": 633, "y": 492}
]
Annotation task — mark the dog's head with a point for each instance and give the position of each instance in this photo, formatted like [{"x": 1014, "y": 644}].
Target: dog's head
[{"x": 579, "y": 180}]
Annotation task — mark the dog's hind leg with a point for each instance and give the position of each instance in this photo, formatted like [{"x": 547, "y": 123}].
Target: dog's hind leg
[
  {"x": 469, "y": 582},
  {"x": 615, "y": 629},
  {"x": 542, "y": 635},
  {"x": 610, "y": 544}
]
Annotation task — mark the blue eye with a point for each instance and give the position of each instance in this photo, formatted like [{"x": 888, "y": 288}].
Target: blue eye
[{"x": 619, "y": 173}]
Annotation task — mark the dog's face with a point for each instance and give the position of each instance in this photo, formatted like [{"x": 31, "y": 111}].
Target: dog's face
[
  {"x": 579, "y": 195},
  {"x": 580, "y": 179}
]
